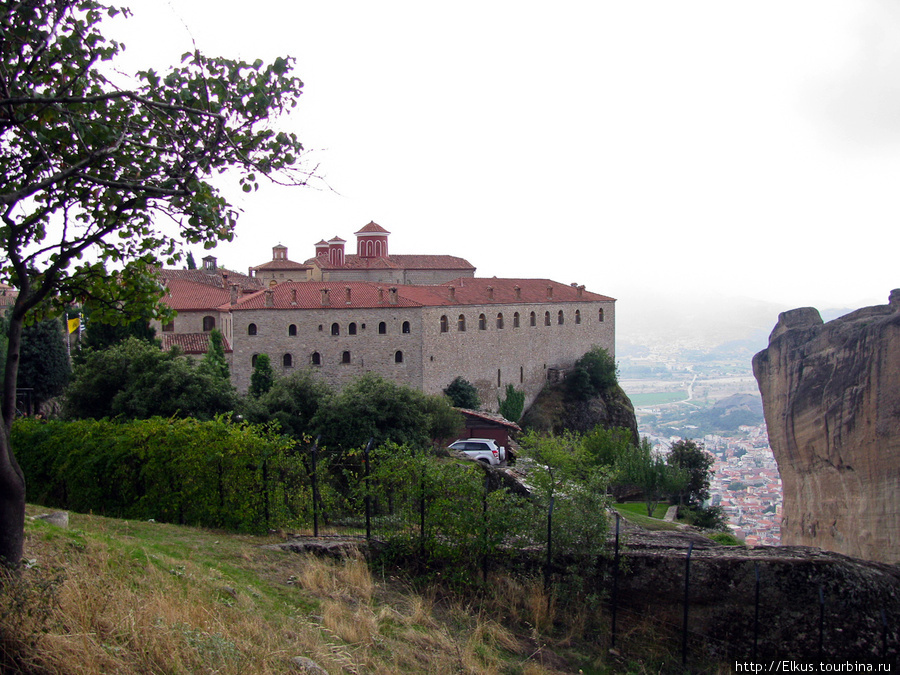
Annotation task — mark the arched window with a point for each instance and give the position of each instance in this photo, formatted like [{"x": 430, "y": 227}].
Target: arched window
[
  {"x": 405, "y": 328},
  {"x": 292, "y": 330},
  {"x": 316, "y": 359},
  {"x": 516, "y": 320},
  {"x": 560, "y": 319},
  {"x": 335, "y": 329},
  {"x": 382, "y": 328},
  {"x": 253, "y": 360},
  {"x": 209, "y": 322},
  {"x": 546, "y": 318},
  {"x": 482, "y": 322},
  {"x": 577, "y": 316},
  {"x": 345, "y": 357},
  {"x": 601, "y": 315},
  {"x": 500, "y": 321},
  {"x": 533, "y": 319},
  {"x": 287, "y": 361},
  {"x": 351, "y": 329},
  {"x": 461, "y": 323},
  {"x": 251, "y": 329},
  {"x": 445, "y": 324},
  {"x": 398, "y": 357}
]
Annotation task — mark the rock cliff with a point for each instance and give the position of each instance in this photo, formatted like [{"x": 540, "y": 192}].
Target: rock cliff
[
  {"x": 831, "y": 398},
  {"x": 553, "y": 410}
]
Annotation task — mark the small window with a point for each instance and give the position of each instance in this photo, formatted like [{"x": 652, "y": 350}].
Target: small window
[
  {"x": 253, "y": 360},
  {"x": 405, "y": 328},
  {"x": 398, "y": 357},
  {"x": 521, "y": 374},
  {"x": 345, "y": 357},
  {"x": 560, "y": 318},
  {"x": 601, "y": 315},
  {"x": 251, "y": 329},
  {"x": 351, "y": 329},
  {"x": 382, "y": 328},
  {"x": 169, "y": 327},
  {"x": 498, "y": 378},
  {"x": 546, "y": 318},
  {"x": 516, "y": 320},
  {"x": 482, "y": 322},
  {"x": 577, "y": 316},
  {"x": 287, "y": 361},
  {"x": 500, "y": 321},
  {"x": 209, "y": 322},
  {"x": 316, "y": 359},
  {"x": 533, "y": 319},
  {"x": 335, "y": 329},
  {"x": 461, "y": 323},
  {"x": 445, "y": 324},
  {"x": 292, "y": 330}
]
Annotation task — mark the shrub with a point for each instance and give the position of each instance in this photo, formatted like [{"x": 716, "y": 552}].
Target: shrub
[
  {"x": 463, "y": 394},
  {"x": 593, "y": 374}
]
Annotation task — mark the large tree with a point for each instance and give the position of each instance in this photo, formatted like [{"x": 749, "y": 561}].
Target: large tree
[{"x": 101, "y": 180}]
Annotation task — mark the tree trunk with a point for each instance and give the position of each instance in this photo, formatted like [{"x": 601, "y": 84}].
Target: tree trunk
[
  {"x": 12, "y": 480},
  {"x": 12, "y": 505}
]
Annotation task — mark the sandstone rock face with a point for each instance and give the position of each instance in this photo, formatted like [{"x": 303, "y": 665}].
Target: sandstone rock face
[{"x": 831, "y": 398}]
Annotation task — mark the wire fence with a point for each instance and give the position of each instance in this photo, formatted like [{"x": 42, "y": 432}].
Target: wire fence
[{"x": 714, "y": 604}]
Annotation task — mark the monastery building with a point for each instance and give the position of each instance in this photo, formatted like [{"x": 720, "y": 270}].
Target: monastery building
[{"x": 419, "y": 320}]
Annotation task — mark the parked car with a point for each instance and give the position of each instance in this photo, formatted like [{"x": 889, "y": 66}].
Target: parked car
[{"x": 482, "y": 449}]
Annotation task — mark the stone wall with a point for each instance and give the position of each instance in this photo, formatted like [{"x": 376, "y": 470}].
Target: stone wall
[{"x": 490, "y": 358}]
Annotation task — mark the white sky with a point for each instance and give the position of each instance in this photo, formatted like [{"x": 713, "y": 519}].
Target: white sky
[{"x": 741, "y": 148}]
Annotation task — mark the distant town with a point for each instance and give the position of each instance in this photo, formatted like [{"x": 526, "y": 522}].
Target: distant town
[{"x": 714, "y": 401}]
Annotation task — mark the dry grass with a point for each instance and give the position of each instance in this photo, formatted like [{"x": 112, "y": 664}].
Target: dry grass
[{"x": 110, "y": 596}]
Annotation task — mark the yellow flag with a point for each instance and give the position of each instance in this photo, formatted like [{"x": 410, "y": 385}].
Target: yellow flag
[{"x": 73, "y": 324}]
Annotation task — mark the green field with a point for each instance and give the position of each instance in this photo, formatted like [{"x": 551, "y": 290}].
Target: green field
[{"x": 658, "y": 398}]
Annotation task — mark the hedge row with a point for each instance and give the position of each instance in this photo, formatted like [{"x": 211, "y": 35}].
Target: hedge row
[{"x": 215, "y": 474}]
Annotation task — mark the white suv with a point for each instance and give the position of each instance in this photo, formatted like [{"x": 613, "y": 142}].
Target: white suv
[{"x": 483, "y": 449}]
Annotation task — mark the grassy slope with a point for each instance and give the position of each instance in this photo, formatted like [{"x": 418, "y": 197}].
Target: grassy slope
[{"x": 112, "y": 596}]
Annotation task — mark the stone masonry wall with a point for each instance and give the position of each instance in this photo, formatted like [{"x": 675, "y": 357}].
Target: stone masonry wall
[{"x": 430, "y": 359}]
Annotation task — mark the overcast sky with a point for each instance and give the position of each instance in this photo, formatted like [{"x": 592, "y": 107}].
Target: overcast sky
[{"x": 738, "y": 148}]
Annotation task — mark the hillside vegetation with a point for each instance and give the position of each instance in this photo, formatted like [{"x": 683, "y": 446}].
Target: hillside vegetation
[{"x": 115, "y": 596}]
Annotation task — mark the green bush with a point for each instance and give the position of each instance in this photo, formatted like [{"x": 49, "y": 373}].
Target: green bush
[
  {"x": 726, "y": 539},
  {"x": 593, "y": 374},
  {"x": 214, "y": 474}
]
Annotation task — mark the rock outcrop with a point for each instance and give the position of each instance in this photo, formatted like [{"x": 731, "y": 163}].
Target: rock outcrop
[
  {"x": 553, "y": 410},
  {"x": 831, "y": 397}
]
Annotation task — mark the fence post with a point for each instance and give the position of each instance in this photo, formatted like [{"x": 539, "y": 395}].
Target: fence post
[
  {"x": 756, "y": 614},
  {"x": 821, "y": 620},
  {"x": 368, "y": 499},
  {"x": 687, "y": 588},
  {"x": 422, "y": 515},
  {"x": 615, "y": 589},
  {"x": 549, "y": 551},
  {"x": 265, "y": 487},
  {"x": 315, "y": 487},
  {"x": 484, "y": 520}
]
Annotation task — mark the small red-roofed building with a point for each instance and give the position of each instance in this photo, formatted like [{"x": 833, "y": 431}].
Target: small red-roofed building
[{"x": 280, "y": 268}]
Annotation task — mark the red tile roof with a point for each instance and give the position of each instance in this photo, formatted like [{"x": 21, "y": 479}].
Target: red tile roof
[
  {"x": 183, "y": 295},
  {"x": 465, "y": 291},
  {"x": 410, "y": 262},
  {"x": 281, "y": 265},
  {"x": 372, "y": 227},
  {"x": 218, "y": 278},
  {"x": 189, "y": 343},
  {"x": 496, "y": 418}
]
